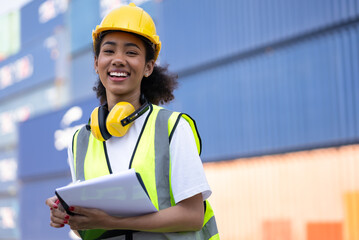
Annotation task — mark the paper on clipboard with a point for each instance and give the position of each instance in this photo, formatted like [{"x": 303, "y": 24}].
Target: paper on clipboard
[{"x": 118, "y": 194}]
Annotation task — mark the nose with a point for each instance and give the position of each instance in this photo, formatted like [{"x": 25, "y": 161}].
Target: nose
[{"x": 118, "y": 60}]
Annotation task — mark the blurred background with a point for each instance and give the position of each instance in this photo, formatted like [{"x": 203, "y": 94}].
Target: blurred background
[{"x": 273, "y": 86}]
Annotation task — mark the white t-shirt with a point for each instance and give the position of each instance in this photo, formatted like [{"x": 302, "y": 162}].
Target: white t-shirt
[{"x": 187, "y": 176}]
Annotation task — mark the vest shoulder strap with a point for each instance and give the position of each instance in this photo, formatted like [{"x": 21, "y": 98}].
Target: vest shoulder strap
[
  {"x": 79, "y": 149},
  {"x": 174, "y": 122}
]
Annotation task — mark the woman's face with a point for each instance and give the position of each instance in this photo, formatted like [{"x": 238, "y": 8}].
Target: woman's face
[{"x": 121, "y": 65}]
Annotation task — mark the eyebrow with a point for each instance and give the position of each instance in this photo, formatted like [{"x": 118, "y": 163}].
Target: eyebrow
[
  {"x": 126, "y": 44},
  {"x": 109, "y": 42},
  {"x": 132, "y": 45}
]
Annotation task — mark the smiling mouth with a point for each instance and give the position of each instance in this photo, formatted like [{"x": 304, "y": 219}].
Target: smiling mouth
[{"x": 119, "y": 74}]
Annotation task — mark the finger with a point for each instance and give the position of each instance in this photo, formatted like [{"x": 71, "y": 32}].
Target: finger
[
  {"x": 55, "y": 225},
  {"x": 89, "y": 212},
  {"x": 80, "y": 210},
  {"x": 61, "y": 208},
  {"x": 59, "y": 217},
  {"x": 60, "y": 214},
  {"x": 51, "y": 201},
  {"x": 57, "y": 206},
  {"x": 57, "y": 221}
]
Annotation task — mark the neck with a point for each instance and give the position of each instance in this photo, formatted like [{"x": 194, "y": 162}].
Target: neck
[{"x": 133, "y": 99}]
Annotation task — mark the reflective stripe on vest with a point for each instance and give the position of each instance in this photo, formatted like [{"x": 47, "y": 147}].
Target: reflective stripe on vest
[
  {"x": 151, "y": 159},
  {"x": 82, "y": 139},
  {"x": 162, "y": 156}
]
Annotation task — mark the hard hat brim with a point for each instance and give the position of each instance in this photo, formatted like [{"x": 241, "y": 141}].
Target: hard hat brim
[{"x": 153, "y": 39}]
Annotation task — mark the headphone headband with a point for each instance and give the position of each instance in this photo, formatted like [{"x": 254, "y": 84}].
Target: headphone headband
[{"x": 136, "y": 114}]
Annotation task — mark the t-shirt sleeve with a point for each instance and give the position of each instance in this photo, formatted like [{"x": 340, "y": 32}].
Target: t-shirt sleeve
[{"x": 187, "y": 176}]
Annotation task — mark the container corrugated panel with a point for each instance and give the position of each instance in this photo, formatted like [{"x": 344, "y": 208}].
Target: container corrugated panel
[
  {"x": 41, "y": 17},
  {"x": 43, "y": 166},
  {"x": 306, "y": 195},
  {"x": 83, "y": 76},
  {"x": 355, "y": 84},
  {"x": 208, "y": 30},
  {"x": 27, "y": 105},
  {"x": 299, "y": 95},
  {"x": 84, "y": 16},
  {"x": 34, "y": 216},
  {"x": 49, "y": 153},
  {"x": 30, "y": 67}
]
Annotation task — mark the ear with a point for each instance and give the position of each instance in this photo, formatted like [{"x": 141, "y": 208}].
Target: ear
[
  {"x": 149, "y": 68},
  {"x": 95, "y": 65}
]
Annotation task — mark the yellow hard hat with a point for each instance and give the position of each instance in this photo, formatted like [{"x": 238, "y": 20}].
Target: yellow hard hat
[{"x": 131, "y": 19}]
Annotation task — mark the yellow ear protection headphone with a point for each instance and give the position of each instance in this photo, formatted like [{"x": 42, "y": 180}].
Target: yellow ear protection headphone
[{"x": 105, "y": 124}]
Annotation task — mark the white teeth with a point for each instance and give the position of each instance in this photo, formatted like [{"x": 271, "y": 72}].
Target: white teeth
[{"x": 118, "y": 74}]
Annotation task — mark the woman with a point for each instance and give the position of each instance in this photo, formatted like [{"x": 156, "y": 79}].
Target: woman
[{"x": 163, "y": 146}]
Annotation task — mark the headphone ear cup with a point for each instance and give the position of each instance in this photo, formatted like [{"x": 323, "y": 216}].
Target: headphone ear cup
[
  {"x": 98, "y": 123},
  {"x": 113, "y": 122},
  {"x": 95, "y": 128}
]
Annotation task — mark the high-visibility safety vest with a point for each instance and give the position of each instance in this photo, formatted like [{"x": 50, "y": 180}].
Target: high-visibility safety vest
[{"x": 151, "y": 159}]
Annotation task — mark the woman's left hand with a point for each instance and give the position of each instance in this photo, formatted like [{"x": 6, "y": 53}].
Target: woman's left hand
[
  {"x": 87, "y": 218},
  {"x": 187, "y": 215}
]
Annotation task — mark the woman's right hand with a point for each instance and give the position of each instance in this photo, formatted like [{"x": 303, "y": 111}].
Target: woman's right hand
[{"x": 58, "y": 216}]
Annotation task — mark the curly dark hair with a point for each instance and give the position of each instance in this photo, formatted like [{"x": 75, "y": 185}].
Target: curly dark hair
[{"x": 157, "y": 88}]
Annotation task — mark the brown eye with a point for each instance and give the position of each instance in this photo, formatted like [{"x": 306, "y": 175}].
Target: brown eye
[{"x": 132, "y": 53}]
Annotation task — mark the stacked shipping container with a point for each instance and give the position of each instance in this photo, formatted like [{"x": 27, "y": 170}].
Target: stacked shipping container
[
  {"x": 32, "y": 81},
  {"x": 268, "y": 78},
  {"x": 280, "y": 85},
  {"x": 306, "y": 195}
]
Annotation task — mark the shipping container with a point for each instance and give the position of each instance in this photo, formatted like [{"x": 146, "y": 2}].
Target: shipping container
[
  {"x": 43, "y": 166},
  {"x": 306, "y": 195},
  {"x": 53, "y": 133},
  {"x": 84, "y": 15},
  {"x": 43, "y": 62},
  {"x": 34, "y": 215},
  {"x": 22, "y": 107},
  {"x": 83, "y": 76},
  {"x": 300, "y": 95},
  {"x": 208, "y": 31},
  {"x": 41, "y": 18}
]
